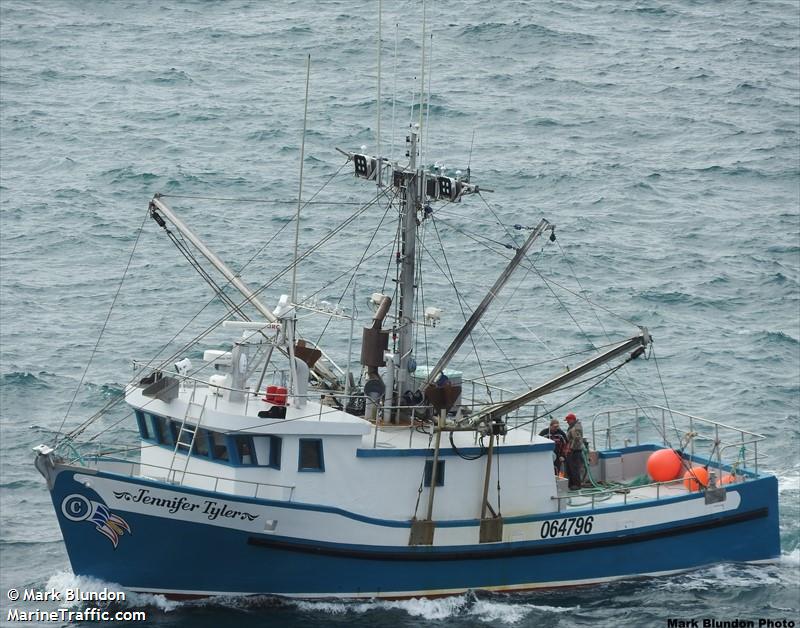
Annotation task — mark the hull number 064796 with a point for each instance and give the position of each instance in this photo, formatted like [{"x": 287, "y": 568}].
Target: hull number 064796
[{"x": 567, "y": 527}]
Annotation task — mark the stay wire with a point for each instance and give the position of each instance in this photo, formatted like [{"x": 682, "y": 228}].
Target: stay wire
[
  {"x": 497, "y": 218},
  {"x": 82, "y": 427},
  {"x": 472, "y": 235},
  {"x": 103, "y": 329},
  {"x": 182, "y": 247},
  {"x": 360, "y": 261},
  {"x": 460, "y": 301},
  {"x": 554, "y": 359},
  {"x": 483, "y": 326},
  {"x": 231, "y": 304},
  {"x": 77, "y": 431},
  {"x": 477, "y": 238},
  {"x": 664, "y": 391},
  {"x": 472, "y": 340},
  {"x": 618, "y": 375},
  {"x": 603, "y": 377}
]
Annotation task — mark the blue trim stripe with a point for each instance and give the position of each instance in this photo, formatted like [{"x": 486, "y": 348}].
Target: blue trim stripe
[
  {"x": 508, "y": 550},
  {"x": 467, "y": 451}
]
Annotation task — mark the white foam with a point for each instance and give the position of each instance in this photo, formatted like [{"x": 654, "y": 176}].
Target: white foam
[
  {"x": 791, "y": 558},
  {"x": 64, "y": 580},
  {"x": 138, "y": 600},
  {"x": 724, "y": 576},
  {"x": 489, "y": 611},
  {"x": 440, "y": 608},
  {"x": 510, "y": 613},
  {"x": 789, "y": 481}
]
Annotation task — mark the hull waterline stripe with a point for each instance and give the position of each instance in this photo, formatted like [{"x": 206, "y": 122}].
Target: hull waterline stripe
[
  {"x": 175, "y": 594},
  {"x": 573, "y": 545}
]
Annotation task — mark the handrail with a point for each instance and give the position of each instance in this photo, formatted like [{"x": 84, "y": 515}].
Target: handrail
[
  {"x": 625, "y": 491},
  {"x": 217, "y": 479},
  {"x": 741, "y": 437}
]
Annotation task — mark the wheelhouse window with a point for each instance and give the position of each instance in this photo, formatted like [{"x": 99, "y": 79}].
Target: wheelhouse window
[
  {"x": 311, "y": 458},
  {"x": 200, "y": 447},
  {"x": 144, "y": 426},
  {"x": 429, "y": 472},
  {"x": 275, "y": 445},
  {"x": 219, "y": 446},
  {"x": 245, "y": 452},
  {"x": 163, "y": 429}
]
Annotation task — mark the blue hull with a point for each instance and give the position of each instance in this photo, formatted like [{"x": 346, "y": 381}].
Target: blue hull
[{"x": 158, "y": 554}]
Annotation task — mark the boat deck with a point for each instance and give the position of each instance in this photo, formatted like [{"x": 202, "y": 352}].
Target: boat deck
[{"x": 607, "y": 496}]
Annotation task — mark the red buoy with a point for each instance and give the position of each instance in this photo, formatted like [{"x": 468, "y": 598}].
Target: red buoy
[
  {"x": 664, "y": 465},
  {"x": 271, "y": 392},
  {"x": 694, "y": 478},
  {"x": 280, "y": 396}
]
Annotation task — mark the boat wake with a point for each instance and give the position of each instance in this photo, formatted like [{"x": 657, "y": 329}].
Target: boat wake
[
  {"x": 494, "y": 610},
  {"x": 505, "y": 611},
  {"x": 63, "y": 580}
]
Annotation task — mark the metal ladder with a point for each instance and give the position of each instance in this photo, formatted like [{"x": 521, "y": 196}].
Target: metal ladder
[{"x": 187, "y": 429}]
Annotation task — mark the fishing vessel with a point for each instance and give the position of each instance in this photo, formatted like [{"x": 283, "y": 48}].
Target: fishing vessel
[{"x": 265, "y": 468}]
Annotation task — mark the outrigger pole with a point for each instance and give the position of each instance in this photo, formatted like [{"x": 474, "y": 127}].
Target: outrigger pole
[
  {"x": 473, "y": 320},
  {"x": 222, "y": 267},
  {"x": 159, "y": 208},
  {"x": 495, "y": 412}
]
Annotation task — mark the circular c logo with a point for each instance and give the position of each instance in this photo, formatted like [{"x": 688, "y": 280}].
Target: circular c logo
[{"x": 76, "y": 507}]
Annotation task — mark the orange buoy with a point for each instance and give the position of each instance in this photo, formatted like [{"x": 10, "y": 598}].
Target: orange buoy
[
  {"x": 727, "y": 479},
  {"x": 694, "y": 478},
  {"x": 664, "y": 465}
]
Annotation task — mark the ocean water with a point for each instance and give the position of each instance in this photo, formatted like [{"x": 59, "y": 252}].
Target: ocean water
[{"x": 661, "y": 137}]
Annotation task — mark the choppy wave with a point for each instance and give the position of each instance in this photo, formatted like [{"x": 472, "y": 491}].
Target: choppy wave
[
  {"x": 26, "y": 380},
  {"x": 665, "y": 152}
]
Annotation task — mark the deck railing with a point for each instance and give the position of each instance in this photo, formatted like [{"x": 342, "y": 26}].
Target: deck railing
[
  {"x": 192, "y": 479},
  {"x": 693, "y": 434}
]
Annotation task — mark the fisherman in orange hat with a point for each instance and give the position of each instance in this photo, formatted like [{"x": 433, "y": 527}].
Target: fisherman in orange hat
[{"x": 574, "y": 452}]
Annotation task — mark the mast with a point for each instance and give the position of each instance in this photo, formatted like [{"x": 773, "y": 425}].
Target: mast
[
  {"x": 412, "y": 188},
  {"x": 409, "y": 203},
  {"x": 294, "y": 384}
]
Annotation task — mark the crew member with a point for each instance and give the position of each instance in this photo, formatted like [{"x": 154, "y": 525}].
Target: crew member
[
  {"x": 574, "y": 452},
  {"x": 559, "y": 438}
]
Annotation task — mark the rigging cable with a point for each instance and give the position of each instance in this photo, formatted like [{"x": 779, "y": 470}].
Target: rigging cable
[
  {"x": 606, "y": 375},
  {"x": 105, "y": 323},
  {"x": 82, "y": 427},
  {"x": 460, "y": 300},
  {"x": 594, "y": 308},
  {"x": 486, "y": 331},
  {"x": 181, "y": 245},
  {"x": 508, "y": 233},
  {"x": 358, "y": 265}
]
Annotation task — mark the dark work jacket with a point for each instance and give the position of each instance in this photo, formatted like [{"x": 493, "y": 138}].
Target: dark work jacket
[{"x": 558, "y": 437}]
